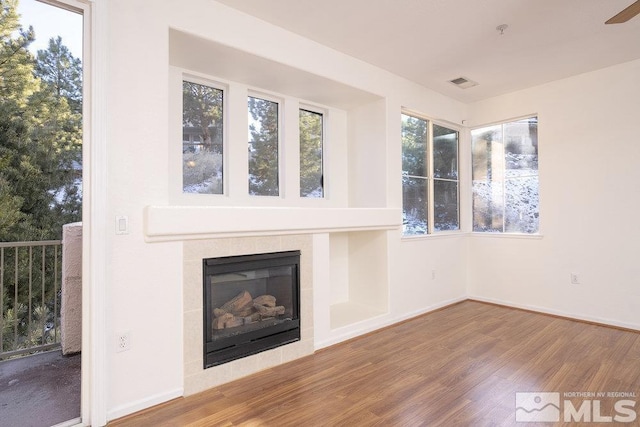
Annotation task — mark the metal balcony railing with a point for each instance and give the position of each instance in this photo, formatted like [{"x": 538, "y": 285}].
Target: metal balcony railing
[{"x": 30, "y": 279}]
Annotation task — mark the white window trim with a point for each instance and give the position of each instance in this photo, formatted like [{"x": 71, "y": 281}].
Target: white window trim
[
  {"x": 324, "y": 113},
  {"x": 484, "y": 234},
  {"x": 94, "y": 372},
  {"x": 93, "y": 406},
  {"x": 431, "y": 233},
  {"x": 509, "y": 235},
  {"x": 235, "y": 140},
  {"x": 215, "y": 84}
]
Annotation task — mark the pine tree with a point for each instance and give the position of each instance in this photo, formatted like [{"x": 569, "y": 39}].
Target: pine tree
[
  {"x": 58, "y": 126},
  {"x": 40, "y": 165},
  {"x": 61, "y": 72},
  {"x": 414, "y": 146},
  {"x": 17, "y": 82},
  {"x": 263, "y": 147},
  {"x": 17, "y": 85},
  {"x": 202, "y": 110},
  {"x": 414, "y": 174},
  {"x": 310, "y": 154},
  {"x": 40, "y": 134}
]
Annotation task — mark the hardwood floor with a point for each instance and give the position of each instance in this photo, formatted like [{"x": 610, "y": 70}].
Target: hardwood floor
[{"x": 460, "y": 366}]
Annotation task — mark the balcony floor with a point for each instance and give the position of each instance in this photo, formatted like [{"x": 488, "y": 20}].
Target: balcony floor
[{"x": 40, "y": 390}]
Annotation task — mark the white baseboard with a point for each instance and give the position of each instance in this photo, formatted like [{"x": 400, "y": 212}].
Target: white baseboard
[
  {"x": 430, "y": 308},
  {"x": 70, "y": 423},
  {"x": 592, "y": 319},
  {"x": 351, "y": 331},
  {"x": 130, "y": 408}
]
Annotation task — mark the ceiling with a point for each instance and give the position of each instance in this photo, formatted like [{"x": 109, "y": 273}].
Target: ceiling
[{"x": 433, "y": 41}]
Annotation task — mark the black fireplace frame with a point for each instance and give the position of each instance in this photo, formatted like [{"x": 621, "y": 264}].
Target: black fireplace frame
[{"x": 255, "y": 341}]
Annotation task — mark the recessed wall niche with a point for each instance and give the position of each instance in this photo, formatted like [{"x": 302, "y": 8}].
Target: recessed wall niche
[
  {"x": 359, "y": 277},
  {"x": 356, "y": 145}
]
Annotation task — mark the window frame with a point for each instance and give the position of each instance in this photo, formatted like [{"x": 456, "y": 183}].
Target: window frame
[
  {"x": 429, "y": 162},
  {"x": 235, "y": 145},
  {"x": 280, "y": 160},
  {"x": 503, "y": 234},
  {"x": 214, "y": 84},
  {"x": 432, "y": 206},
  {"x": 323, "y": 161},
  {"x": 93, "y": 377}
]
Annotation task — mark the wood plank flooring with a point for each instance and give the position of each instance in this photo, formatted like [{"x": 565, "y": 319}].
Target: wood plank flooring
[{"x": 459, "y": 366}]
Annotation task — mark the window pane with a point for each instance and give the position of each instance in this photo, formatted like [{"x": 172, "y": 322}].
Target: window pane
[
  {"x": 487, "y": 153},
  {"x": 263, "y": 147},
  {"x": 414, "y": 146},
  {"x": 414, "y": 205},
  {"x": 521, "y": 205},
  {"x": 505, "y": 177},
  {"x": 414, "y": 175},
  {"x": 311, "y": 184},
  {"x": 445, "y": 200},
  {"x": 201, "y": 139},
  {"x": 445, "y": 152},
  {"x": 488, "y": 177},
  {"x": 488, "y": 206},
  {"x": 521, "y": 147}
]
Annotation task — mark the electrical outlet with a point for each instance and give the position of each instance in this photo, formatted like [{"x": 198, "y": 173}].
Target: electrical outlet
[
  {"x": 433, "y": 274},
  {"x": 575, "y": 279},
  {"x": 123, "y": 342}
]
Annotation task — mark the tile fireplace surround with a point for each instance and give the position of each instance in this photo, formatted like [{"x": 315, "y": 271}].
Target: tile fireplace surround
[{"x": 196, "y": 378}]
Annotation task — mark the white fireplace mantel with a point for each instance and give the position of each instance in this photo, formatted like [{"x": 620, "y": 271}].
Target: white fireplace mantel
[{"x": 165, "y": 223}]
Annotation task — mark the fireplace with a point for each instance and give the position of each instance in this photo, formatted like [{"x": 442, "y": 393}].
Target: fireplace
[{"x": 251, "y": 304}]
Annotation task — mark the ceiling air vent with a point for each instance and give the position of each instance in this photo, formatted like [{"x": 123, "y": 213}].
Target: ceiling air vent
[{"x": 463, "y": 82}]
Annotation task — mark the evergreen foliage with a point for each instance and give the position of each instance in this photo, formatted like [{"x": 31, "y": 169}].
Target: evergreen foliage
[
  {"x": 61, "y": 72},
  {"x": 40, "y": 134},
  {"x": 202, "y": 111},
  {"x": 311, "y": 179},
  {"x": 414, "y": 175},
  {"x": 40, "y": 176},
  {"x": 263, "y": 147}
]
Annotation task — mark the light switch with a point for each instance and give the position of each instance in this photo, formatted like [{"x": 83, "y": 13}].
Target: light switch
[{"x": 122, "y": 224}]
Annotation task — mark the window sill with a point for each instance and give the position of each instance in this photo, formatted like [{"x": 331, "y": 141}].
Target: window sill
[
  {"x": 536, "y": 236},
  {"x": 441, "y": 235},
  {"x": 479, "y": 235}
]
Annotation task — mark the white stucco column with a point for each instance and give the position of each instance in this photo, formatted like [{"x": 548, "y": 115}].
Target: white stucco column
[{"x": 71, "y": 306}]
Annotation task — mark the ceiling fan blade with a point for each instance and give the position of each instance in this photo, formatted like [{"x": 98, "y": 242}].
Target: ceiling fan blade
[{"x": 626, "y": 14}]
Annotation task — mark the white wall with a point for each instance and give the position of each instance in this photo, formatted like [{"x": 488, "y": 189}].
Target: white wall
[
  {"x": 589, "y": 192},
  {"x": 144, "y": 280},
  {"x": 589, "y": 197}
]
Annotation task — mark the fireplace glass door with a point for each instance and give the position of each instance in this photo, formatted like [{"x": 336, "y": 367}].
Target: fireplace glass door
[{"x": 251, "y": 304}]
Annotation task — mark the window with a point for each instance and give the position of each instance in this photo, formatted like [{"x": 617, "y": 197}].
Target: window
[
  {"x": 202, "y": 161},
  {"x": 311, "y": 143},
  {"x": 505, "y": 177},
  {"x": 429, "y": 177},
  {"x": 205, "y": 110},
  {"x": 263, "y": 147},
  {"x": 445, "y": 179}
]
